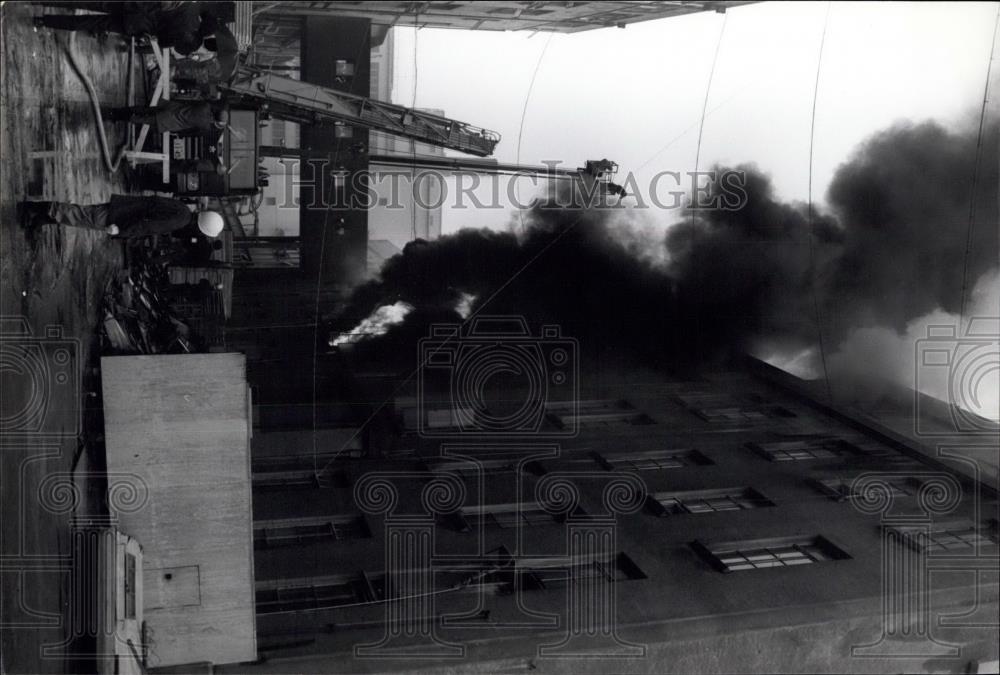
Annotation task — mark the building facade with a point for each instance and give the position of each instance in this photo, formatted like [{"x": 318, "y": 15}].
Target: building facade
[
  {"x": 406, "y": 205},
  {"x": 720, "y": 522}
]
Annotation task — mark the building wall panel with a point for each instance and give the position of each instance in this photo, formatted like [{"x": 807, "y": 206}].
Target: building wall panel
[{"x": 180, "y": 425}]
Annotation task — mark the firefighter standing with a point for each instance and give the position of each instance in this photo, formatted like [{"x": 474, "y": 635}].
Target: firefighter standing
[
  {"x": 175, "y": 116},
  {"x": 173, "y": 24},
  {"x": 126, "y": 216}
]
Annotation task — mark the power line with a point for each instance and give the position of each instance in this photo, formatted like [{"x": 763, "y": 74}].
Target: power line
[
  {"x": 708, "y": 91},
  {"x": 701, "y": 128},
  {"x": 413, "y": 143},
  {"x": 975, "y": 172},
  {"x": 520, "y": 128},
  {"x": 457, "y": 586},
  {"x": 364, "y": 44},
  {"x": 690, "y": 128},
  {"x": 812, "y": 226}
]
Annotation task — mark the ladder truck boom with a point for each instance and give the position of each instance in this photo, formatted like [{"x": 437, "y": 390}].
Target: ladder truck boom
[
  {"x": 286, "y": 98},
  {"x": 484, "y": 166},
  {"x": 602, "y": 171}
]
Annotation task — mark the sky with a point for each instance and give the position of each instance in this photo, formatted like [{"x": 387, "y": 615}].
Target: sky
[{"x": 635, "y": 95}]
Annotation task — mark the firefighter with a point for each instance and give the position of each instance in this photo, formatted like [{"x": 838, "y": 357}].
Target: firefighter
[
  {"x": 214, "y": 62},
  {"x": 125, "y": 216},
  {"x": 175, "y": 116},
  {"x": 173, "y": 24}
]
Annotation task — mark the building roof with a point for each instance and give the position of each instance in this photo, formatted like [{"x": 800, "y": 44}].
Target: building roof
[
  {"x": 559, "y": 17},
  {"x": 922, "y": 423}
]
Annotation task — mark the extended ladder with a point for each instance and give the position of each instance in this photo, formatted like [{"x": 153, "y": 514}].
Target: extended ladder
[{"x": 298, "y": 101}]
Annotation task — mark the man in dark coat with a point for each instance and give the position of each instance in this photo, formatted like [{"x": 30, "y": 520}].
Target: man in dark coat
[
  {"x": 124, "y": 215},
  {"x": 224, "y": 50},
  {"x": 176, "y": 116},
  {"x": 173, "y": 24}
]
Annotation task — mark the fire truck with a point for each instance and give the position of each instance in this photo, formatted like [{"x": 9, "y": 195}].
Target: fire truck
[
  {"x": 227, "y": 164},
  {"x": 255, "y": 94}
]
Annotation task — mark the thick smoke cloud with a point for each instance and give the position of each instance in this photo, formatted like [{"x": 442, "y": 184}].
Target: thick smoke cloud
[
  {"x": 749, "y": 275},
  {"x": 903, "y": 202},
  {"x": 889, "y": 247},
  {"x": 568, "y": 268}
]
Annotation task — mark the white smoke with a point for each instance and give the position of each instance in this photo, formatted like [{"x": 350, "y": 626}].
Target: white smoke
[{"x": 874, "y": 355}]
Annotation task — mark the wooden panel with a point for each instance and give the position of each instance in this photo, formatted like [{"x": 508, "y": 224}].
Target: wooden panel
[{"x": 180, "y": 423}]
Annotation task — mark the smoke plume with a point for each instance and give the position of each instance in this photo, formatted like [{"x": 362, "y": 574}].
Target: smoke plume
[
  {"x": 892, "y": 244},
  {"x": 903, "y": 202}
]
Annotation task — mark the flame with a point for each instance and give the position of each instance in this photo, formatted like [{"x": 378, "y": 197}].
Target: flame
[
  {"x": 464, "y": 305},
  {"x": 375, "y": 324}
]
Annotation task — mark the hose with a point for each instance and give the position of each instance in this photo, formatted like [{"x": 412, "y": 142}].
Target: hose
[{"x": 115, "y": 164}]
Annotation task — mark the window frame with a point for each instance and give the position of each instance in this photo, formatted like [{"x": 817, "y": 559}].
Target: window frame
[
  {"x": 841, "y": 492},
  {"x": 469, "y": 470},
  {"x": 725, "y": 409},
  {"x": 519, "y": 515},
  {"x": 595, "y": 413},
  {"x": 655, "y": 501},
  {"x": 361, "y": 588},
  {"x": 287, "y": 479},
  {"x": 617, "y": 461},
  {"x": 712, "y": 552},
  {"x": 822, "y": 448},
  {"x": 300, "y": 462},
  {"x": 462, "y": 572},
  {"x": 344, "y": 68},
  {"x": 983, "y": 532},
  {"x": 557, "y": 572},
  {"x": 339, "y": 527},
  {"x": 130, "y": 580}
]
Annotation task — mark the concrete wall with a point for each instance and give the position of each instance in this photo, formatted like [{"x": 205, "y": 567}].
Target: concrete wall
[{"x": 180, "y": 425}]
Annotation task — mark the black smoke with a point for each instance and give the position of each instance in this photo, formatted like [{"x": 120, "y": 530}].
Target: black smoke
[
  {"x": 568, "y": 269},
  {"x": 890, "y": 246},
  {"x": 903, "y": 203}
]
